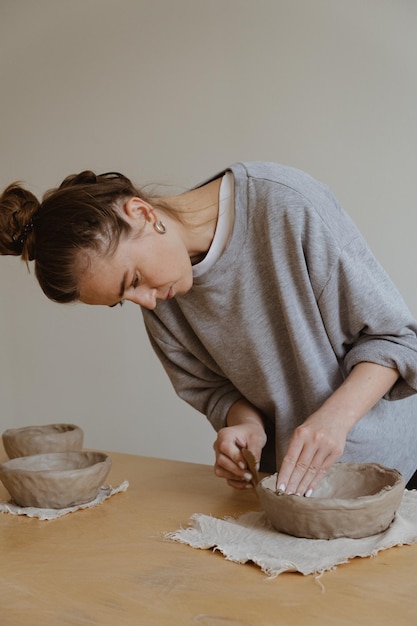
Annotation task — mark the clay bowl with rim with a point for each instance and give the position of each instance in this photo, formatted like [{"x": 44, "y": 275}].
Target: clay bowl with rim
[
  {"x": 353, "y": 500},
  {"x": 30, "y": 440},
  {"x": 56, "y": 480}
]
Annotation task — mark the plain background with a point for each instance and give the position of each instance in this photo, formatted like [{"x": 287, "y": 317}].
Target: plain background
[{"x": 171, "y": 92}]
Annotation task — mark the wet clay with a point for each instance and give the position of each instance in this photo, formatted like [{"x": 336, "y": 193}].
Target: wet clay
[
  {"x": 55, "y": 480},
  {"x": 353, "y": 500},
  {"x": 42, "y": 439}
]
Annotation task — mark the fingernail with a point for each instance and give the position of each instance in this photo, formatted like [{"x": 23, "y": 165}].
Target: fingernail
[
  {"x": 249, "y": 486},
  {"x": 308, "y": 493},
  {"x": 242, "y": 465},
  {"x": 298, "y": 494},
  {"x": 247, "y": 476},
  {"x": 281, "y": 487}
]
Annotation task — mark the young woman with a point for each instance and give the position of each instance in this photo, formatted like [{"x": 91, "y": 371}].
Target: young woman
[{"x": 262, "y": 300}]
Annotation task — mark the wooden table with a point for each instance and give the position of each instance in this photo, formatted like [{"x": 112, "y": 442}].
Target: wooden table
[{"x": 110, "y": 565}]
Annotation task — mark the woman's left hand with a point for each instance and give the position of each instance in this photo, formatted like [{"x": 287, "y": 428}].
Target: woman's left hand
[
  {"x": 320, "y": 440},
  {"x": 314, "y": 446}
]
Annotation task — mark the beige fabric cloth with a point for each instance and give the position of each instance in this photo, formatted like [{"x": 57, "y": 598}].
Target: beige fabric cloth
[
  {"x": 250, "y": 537},
  {"x": 48, "y": 514}
]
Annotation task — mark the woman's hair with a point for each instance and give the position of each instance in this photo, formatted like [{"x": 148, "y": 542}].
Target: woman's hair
[{"x": 79, "y": 216}]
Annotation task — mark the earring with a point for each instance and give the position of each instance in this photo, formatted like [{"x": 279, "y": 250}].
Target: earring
[{"x": 160, "y": 227}]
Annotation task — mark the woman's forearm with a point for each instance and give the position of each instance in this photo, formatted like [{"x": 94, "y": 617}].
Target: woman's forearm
[
  {"x": 243, "y": 412},
  {"x": 366, "y": 384}
]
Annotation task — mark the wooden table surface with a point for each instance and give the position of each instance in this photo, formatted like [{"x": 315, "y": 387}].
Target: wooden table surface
[{"x": 110, "y": 565}]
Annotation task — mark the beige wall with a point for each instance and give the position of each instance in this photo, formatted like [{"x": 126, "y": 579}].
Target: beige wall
[{"x": 171, "y": 91}]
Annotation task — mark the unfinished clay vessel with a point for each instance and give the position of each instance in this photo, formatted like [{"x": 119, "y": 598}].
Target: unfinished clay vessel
[
  {"x": 55, "y": 480},
  {"x": 41, "y": 439},
  {"x": 353, "y": 500}
]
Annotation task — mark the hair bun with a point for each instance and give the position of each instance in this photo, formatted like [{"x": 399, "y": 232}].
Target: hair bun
[{"x": 18, "y": 213}]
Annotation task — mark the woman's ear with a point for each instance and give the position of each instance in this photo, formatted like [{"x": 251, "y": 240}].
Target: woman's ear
[{"x": 136, "y": 208}]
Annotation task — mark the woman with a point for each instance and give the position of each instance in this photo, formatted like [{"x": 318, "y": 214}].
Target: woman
[{"x": 262, "y": 301}]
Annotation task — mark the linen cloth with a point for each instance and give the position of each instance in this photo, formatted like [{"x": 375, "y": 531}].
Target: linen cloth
[
  {"x": 48, "y": 514},
  {"x": 251, "y": 537}
]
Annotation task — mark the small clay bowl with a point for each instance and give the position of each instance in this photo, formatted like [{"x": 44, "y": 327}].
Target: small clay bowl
[
  {"x": 42, "y": 439},
  {"x": 55, "y": 480},
  {"x": 353, "y": 500}
]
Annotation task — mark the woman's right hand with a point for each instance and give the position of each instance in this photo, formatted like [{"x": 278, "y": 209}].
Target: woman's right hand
[{"x": 245, "y": 430}]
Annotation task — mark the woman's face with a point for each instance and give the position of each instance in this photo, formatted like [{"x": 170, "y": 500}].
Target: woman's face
[{"x": 143, "y": 269}]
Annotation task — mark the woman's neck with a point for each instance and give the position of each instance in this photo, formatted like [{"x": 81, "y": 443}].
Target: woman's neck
[{"x": 197, "y": 211}]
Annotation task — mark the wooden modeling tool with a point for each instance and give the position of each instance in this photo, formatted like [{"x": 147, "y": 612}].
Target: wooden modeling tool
[{"x": 250, "y": 460}]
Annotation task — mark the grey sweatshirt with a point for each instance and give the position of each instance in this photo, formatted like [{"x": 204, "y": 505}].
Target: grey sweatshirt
[{"x": 293, "y": 304}]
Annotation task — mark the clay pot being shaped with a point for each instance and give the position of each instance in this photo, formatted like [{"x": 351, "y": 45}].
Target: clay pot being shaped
[
  {"x": 353, "y": 500},
  {"x": 55, "y": 480},
  {"x": 42, "y": 439}
]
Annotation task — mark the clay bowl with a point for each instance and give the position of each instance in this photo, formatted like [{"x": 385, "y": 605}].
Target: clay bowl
[
  {"x": 55, "y": 480},
  {"x": 41, "y": 439},
  {"x": 353, "y": 500}
]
